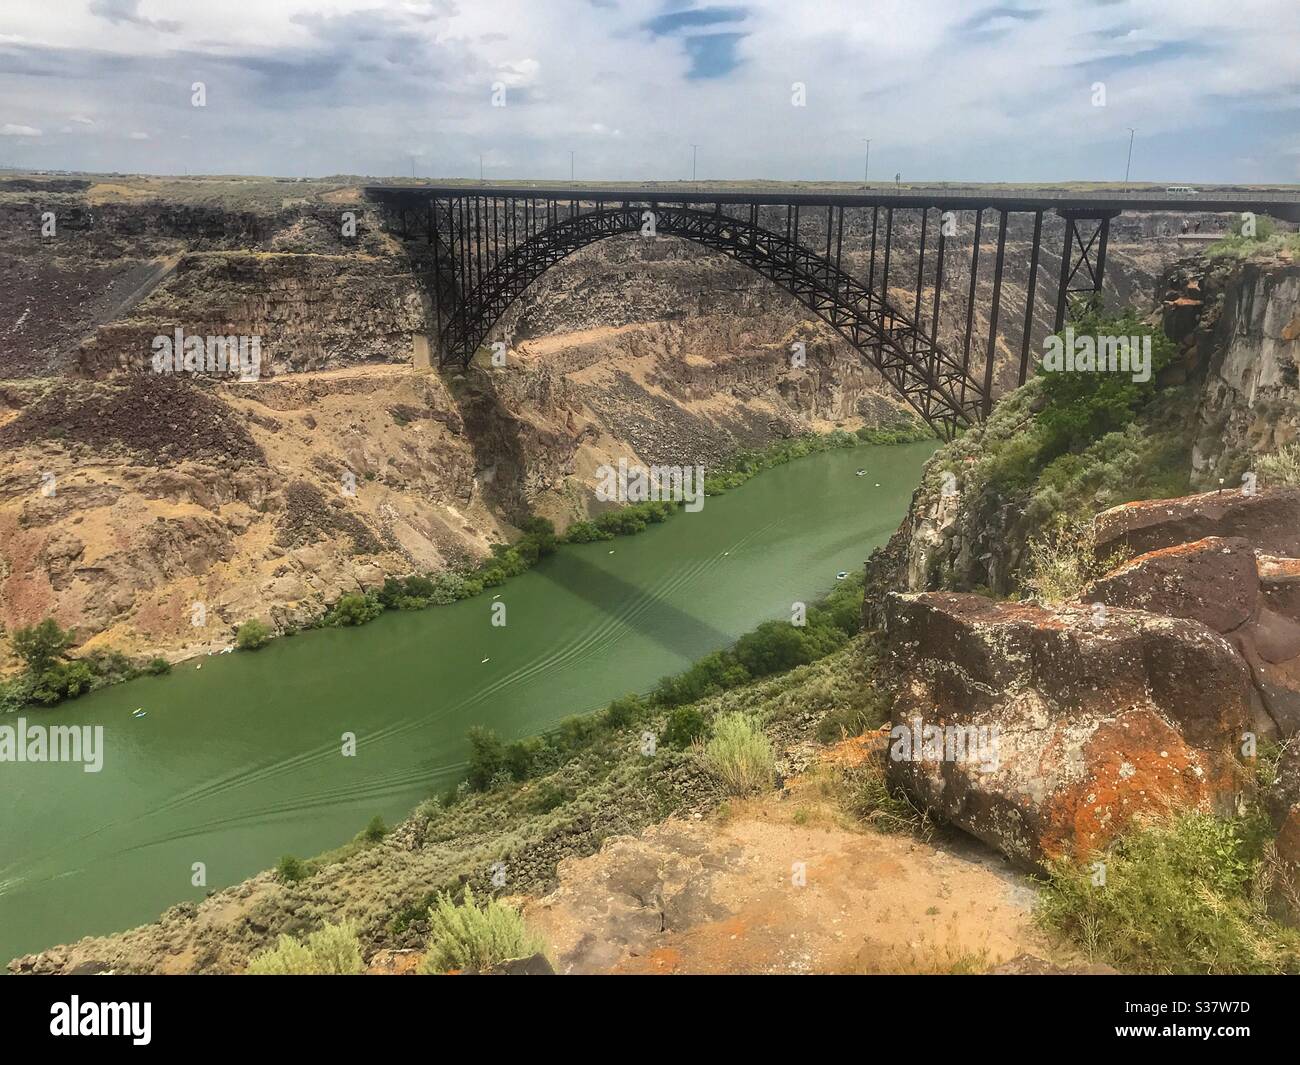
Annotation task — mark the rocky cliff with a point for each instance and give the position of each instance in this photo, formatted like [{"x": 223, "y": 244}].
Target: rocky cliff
[{"x": 1229, "y": 396}]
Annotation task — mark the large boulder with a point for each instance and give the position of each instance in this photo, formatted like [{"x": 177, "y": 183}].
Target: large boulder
[
  {"x": 1045, "y": 731},
  {"x": 1233, "y": 580},
  {"x": 1268, "y": 520},
  {"x": 1213, "y": 581}
]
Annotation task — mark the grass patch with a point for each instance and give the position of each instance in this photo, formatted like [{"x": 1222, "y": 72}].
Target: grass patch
[
  {"x": 1063, "y": 561},
  {"x": 740, "y": 755},
  {"x": 869, "y": 795},
  {"x": 1179, "y": 896}
]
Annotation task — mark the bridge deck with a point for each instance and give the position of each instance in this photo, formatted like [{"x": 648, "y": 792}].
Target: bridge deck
[{"x": 1284, "y": 204}]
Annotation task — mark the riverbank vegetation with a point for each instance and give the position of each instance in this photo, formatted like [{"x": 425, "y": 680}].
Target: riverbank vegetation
[
  {"x": 539, "y": 538},
  {"x": 50, "y": 674},
  {"x": 56, "y": 676},
  {"x": 771, "y": 648}
]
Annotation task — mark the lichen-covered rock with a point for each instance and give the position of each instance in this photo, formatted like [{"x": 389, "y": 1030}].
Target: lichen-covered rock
[{"x": 1044, "y": 732}]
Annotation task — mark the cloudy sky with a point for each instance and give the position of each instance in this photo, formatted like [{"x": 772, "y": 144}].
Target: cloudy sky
[{"x": 945, "y": 89}]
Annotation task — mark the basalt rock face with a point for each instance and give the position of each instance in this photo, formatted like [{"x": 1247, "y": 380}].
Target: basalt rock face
[
  {"x": 1238, "y": 328},
  {"x": 309, "y": 312},
  {"x": 1044, "y": 732}
]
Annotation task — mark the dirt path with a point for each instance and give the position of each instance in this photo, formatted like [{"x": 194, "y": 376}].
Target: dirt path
[{"x": 785, "y": 885}]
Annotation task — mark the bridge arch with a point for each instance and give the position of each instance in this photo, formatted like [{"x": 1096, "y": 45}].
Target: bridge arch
[
  {"x": 931, "y": 382},
  {"x": 481, "y": 246}
]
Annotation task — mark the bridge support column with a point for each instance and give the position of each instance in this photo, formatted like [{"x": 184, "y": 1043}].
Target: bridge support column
[{"x": 1083, "y": 263}]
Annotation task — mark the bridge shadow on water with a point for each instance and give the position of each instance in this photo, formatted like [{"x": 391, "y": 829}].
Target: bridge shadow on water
[{"x": 665, "y": 624}]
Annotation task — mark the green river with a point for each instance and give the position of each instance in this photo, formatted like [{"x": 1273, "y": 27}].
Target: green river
[{"x": 238, "y": 758}]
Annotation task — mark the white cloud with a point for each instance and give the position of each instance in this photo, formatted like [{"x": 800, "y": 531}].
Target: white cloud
[
  {"x": 9, "y": 129},
  {"x": 944, "y": 89},
  {"x": 139, "y": 135}
]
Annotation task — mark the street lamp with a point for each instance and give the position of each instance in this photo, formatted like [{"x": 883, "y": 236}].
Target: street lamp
[{"x": 1127, "y": 166}]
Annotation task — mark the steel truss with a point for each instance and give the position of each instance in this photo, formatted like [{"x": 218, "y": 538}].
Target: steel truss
[{"x": 481, "y": 248}]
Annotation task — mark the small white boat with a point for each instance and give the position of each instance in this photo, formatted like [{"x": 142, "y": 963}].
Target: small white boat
[
  {"x": 485, "y": 660},
  {"x": 139, "y": 711},
  {"x": 860, "y": 473},
  {"x": 841, "y": 575}
]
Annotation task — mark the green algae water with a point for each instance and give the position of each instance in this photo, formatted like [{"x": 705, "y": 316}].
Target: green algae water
[{"x": 238, "y": 759}]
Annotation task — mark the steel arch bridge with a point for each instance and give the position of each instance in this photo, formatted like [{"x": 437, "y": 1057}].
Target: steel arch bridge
[{"x": 483, "y": 246}]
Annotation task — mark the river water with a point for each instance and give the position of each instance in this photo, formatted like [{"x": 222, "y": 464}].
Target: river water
[{"x": 237, "y": 759}]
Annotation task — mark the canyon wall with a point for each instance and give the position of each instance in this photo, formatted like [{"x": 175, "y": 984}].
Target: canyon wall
[{"x": 126, "y": 498}]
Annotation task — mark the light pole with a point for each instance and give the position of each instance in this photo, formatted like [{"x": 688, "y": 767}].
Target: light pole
[
  {"x": 866, "y": 162},
  {"x": 1127, "y": 166},
  {"x": 480, "y": 169},
  {"x": 570, "y": 165},
  {"x": 695, "y": 154}
]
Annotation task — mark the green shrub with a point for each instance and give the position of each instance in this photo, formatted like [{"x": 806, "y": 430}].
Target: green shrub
[
  {"x": 157, "y": 667},
  {"x": 16, "y": 693},
  {"x": 1176, "y": 898},
  {"x": 354, "y": 609},
  {"x": 586, "y": 532},
  {"x": 375, "y": 830},
  {"x": 332, "y": 950},
  {"x": 740, "y": 754},
  {"x": 1063, "y": 562},
  {"x": 290, "y": 869},
  {"x": 487, "y": 757},
  {"x": 684, "y": 726},
  {"x": 1281, "y": 469},
  {"x": 251, "y": 635},
  {"x": 626, "y": 711},
  {"x": 63, "y": 680},
  {"x": 521, "y": 756},
  {"x": 575, "y": 732},
  {"x": 470, "y": 936},
  {"x": 41, "y": 645},
  {"x": 1084, "y": 405},
  {"x": 391, "y": 594}
]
